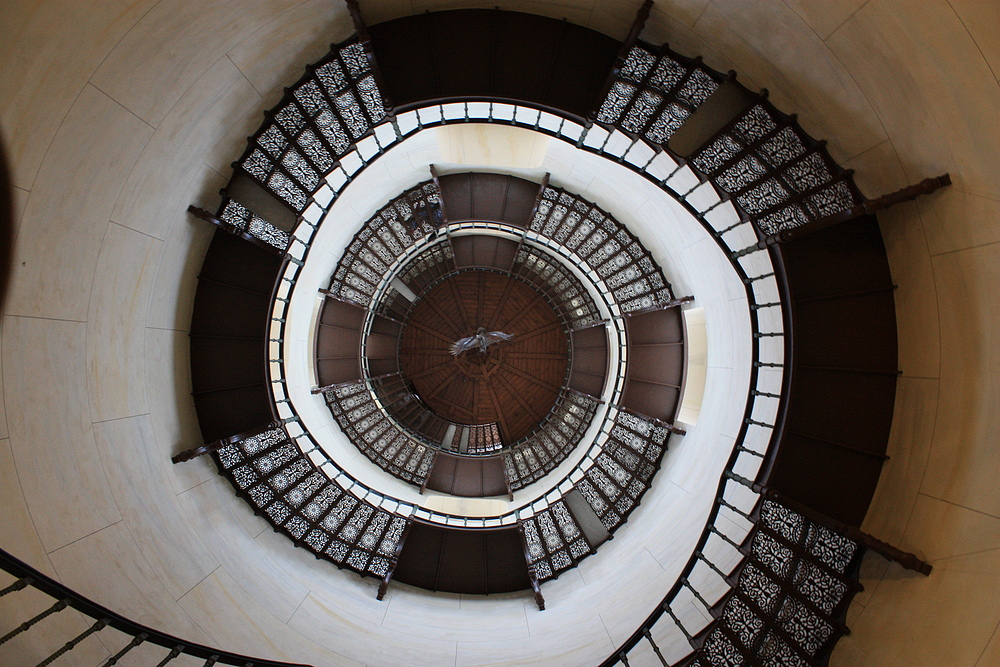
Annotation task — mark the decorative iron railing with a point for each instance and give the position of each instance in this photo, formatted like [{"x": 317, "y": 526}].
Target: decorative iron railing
[
  {"x": 776, "y": 175},
  {"x": 655, "y": 92},
  {"x": 607, "y": 247},
  {"x": 246, "y": 221},
  {"x": 554, "y": 540},
  {"x": 317, "y": 123},
  {"x": 710, "y": 205},
  {"x": 714, "y": 211},
  {"x": 302, "y": 502},
  {"x": 397, "y": 450},
  {"x": 107, "y": 624},
  {"x": 429, "y": 260},
  {"x": 382, "y": 240},
  {"x": 624, "y": 470},
  {"x": 556, "y": 437},
  {"x": 781, "y": 601}
]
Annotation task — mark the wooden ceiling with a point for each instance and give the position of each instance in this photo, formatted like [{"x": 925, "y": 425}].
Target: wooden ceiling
[{"x": 515, "y": 383}]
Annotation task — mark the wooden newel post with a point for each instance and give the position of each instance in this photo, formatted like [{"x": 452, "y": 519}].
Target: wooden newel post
[
  {"x": 195, "y": 452},
  {"x": 678, "y": 302},
  {"x": 383, "y": 587},
  {"x": 906, "y": 559},
  {"x": 215, "y": 446},
  {"x": 536, "y": 587},
  {"x": 868, "y": 207},
  {"x": 202, "y": 214}
]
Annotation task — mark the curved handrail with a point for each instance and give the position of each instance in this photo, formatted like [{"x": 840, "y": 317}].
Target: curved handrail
[
  {"x": 508, "y": 114},
  {"x": 749, "y": 264},
  {"x": 28, "y": 576}
]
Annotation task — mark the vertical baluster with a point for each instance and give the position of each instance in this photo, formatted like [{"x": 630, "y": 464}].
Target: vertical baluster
[
  {"x": 649, "y": 161},
  {"x": 58, "y": 606},
  {"x": 138, "y": 639},
  {"x": 68, "y": 646},
  {"x": 716, "y": 531},
  {"x": 684, "y": 582},
  {"x": 174, "y": 652},
  {"x": 606, "y": 140},
  {"x": 621, "y": 158},
  {"x": 656, "y": 649},
  {"x": 720, "y": 232},
  {"x": 16, "y": 586},
  {"x": 677, "y": 621},
  {"x": 395, "y": 127},
  {"x": 673, "y": 173}
]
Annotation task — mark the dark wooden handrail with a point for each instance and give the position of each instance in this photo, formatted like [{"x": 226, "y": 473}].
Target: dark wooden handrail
[
  {"x": 906, "y": 559},
  {"x": 867, "y": 207}
]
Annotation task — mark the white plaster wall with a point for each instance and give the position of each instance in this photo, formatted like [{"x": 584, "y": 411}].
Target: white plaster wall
[{"x": 118, "y": 115}]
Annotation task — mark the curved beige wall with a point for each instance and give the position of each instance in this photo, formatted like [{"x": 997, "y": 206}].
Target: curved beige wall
[{"x": 117, "y": 115}]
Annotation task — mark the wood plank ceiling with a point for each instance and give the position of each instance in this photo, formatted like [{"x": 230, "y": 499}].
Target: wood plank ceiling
[{"x": 515, "y": 383}]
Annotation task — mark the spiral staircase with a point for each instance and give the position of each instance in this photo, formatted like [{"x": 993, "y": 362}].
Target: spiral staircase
[{"x": 777, "y": 562}]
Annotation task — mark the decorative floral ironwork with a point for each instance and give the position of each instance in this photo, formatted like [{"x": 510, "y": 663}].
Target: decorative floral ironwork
[
  {"x": 315, "y": 125},
  {"x": 554, "y": 541},
  {"x": 313, "y": 510}
]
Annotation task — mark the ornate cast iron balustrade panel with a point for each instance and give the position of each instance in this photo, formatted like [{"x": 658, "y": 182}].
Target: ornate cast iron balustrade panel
[
  {"x": 791, "y": 595},
  {"x": 605, "y": 245},
  {"x": 270, "y": 472},
  {"x": 383, "y": 239},
  {"x": 776, "y": 175},
  {"x": 245, "y": 220},
  {"x": 656, "y": 91},
  {"x": 317, "y": 122},
  {"x": 386, "y": 445},
  {"x": 563, "y": 290},
  {"x": 624, "y": 469},
  {"x": 554, "y": 440},
  {"x": 554, "y": 541}
]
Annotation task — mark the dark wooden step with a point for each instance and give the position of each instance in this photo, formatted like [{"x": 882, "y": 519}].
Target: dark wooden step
[
  {"x": 468, "y": 477},
  {"x": 463, "y": 561},
  {"x": 482, "y": 53},
  {"x": 840, "y": 398},
  {"x": 492, "y": 197}
]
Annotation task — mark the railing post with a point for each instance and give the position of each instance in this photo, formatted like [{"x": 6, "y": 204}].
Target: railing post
[
  {"x": 215, "y": 446},
  {"x": 16, "y": 586},
  {"x": 68, "y": 646},
  {"x": 58, "y": 606},
  {"x": 532, "y": 576},
  {"x": 904, "y": 558},
  {"x": 691, "y": 640},
  {"x": 103, "y": 617},
  {"x": 229, "y": 228},
  {"x": 867, "y": 207},
  {"x": 383, "y": 587},
  {"x": 656, "y": 649}
]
